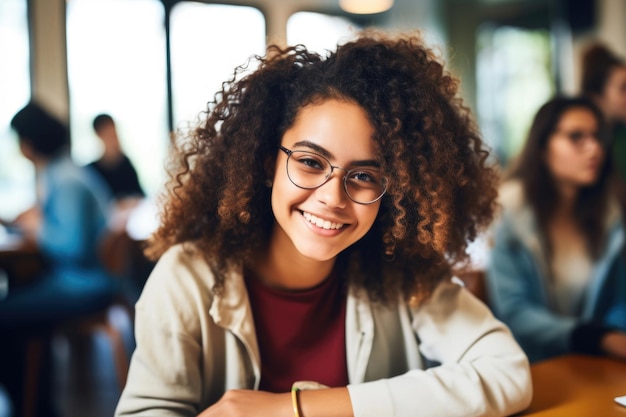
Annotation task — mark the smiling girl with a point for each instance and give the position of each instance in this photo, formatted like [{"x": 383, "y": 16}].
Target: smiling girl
[{"x": 307, "y": 241}]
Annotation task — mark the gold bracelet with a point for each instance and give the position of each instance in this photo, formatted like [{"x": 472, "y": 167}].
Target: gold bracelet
[
  {"x": 299, "y": 386},
  {"x": 294, "y": 401}
]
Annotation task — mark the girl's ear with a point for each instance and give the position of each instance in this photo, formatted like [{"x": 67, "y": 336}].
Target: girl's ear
[{"x": 27, "y": 149}]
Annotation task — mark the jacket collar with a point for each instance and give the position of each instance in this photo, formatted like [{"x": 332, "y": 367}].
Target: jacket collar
[
  {"x": 231, "y": 310},
  {"x": 519, "y": 215}
]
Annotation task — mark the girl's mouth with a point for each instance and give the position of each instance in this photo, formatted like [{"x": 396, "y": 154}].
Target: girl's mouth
[{"x": 324, "y": 224}]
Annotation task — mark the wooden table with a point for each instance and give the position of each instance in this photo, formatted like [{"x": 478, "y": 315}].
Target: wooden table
[
  {"x": 20, "y": 261},
  {"x": 578, "y": 386}
]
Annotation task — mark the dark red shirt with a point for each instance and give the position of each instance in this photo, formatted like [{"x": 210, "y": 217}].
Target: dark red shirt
[{"x": 301, "y": 334}]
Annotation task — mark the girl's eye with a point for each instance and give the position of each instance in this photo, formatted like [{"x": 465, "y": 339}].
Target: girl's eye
[
  {"x": 576, "y": 137},
  {"x": 363, "y": 177},
  {"x": 309, "y": 162}
]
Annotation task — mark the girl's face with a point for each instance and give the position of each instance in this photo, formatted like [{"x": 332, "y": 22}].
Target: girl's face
[
  {"x": 574, "y": 155},
  {"x": 319, "y": 223},
  {"x": 613, "y": 100}
]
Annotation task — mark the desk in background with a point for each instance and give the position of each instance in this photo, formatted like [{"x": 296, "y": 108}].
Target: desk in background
[
  {"x": 121, "y": 250},
  {"x": 20, "y": 261},
  {"x": 577, "y": 386}
]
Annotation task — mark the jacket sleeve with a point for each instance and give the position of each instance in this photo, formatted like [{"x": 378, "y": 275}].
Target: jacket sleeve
[
  {"x": 518, "y": 297},
  {"x": 164, "y": 377},
  {"x": 615, "y": 314},
  {"x": 482, "y": 370}
]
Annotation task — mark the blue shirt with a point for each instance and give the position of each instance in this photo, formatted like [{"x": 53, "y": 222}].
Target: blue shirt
[{"x": 74, "y": 204}]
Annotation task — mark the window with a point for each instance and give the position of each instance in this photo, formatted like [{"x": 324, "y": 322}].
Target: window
[
  {"x": 514, "y": 79},
  {"x": 207, "y": 42},
  {"x": 17, "y": 191},
  {"x": 117, "y": 65},
  {"x": 319, "y": 32}
]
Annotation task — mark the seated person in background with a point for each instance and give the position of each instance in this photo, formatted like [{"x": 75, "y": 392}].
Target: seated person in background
[
  {"x": 604, "y": 81},
  {"x": 309, "y": 234},
  {"x": 66, "y": 225},
  {"x": 119, "y": 174},
  {"x": 114, "y": 166},
  {"x": 556, "y": 272}
]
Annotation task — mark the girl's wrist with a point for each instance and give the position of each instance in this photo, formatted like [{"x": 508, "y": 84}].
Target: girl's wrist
[
  {"x": 295, "y": 394},
  {"x": 614, "y": 343}
]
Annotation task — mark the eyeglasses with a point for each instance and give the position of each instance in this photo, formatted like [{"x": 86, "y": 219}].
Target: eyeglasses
[
  {"x": 309, "y": 170},
  {"x": 577, "y": 137}
]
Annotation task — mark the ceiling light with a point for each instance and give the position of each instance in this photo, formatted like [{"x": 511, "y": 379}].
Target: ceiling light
[{"x": 365, "y": 6}]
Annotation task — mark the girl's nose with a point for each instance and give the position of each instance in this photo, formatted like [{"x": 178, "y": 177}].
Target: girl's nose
[
  {"x": 592, "y": 145},
  {"x": 332, "y": 193}
]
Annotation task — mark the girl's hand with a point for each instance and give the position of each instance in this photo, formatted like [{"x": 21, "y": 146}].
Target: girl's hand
[
  {"x": 248, "y": 403},
  {"x": 29, "y": 222},
  {"x": 614, "y": 343}
]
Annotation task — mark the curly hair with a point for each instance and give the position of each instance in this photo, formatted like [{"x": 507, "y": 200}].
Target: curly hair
[{"x": 441, "y": 191}]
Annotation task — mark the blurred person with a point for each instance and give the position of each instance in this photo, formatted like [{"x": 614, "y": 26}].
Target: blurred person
[
  {"x": 556, "y": 271},
  {"x": 308, "y": 234},
  {"x": 118, "y": 172},
  {"x": 604, "y": 81},
  {"x": 66, "y": 225},
  {"x": 114, "y": 166}
]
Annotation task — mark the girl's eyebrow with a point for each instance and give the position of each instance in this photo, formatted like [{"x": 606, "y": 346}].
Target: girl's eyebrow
[
  {"x": 315, "y": 147},
  {"x": 324, "y": 152}
]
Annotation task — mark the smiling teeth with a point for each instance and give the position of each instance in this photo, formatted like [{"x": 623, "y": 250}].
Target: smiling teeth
[{"x": 324, "y": 224}]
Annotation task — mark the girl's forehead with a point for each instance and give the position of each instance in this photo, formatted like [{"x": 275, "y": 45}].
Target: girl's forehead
[
  {"x": 335, "y": 127},
  {"x": 577, "y": 116}
]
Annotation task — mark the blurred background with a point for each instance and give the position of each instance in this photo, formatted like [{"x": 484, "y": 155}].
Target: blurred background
[{"x": 153, "y": 64}]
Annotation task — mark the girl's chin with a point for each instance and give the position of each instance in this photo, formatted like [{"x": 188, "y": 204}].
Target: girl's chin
[
  {"x": 589, "y": 182},
  {"x": 315, "y": 254}
]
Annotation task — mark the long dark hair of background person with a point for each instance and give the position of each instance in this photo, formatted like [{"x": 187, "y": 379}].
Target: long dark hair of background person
[{"x": 531, "y": 169}]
